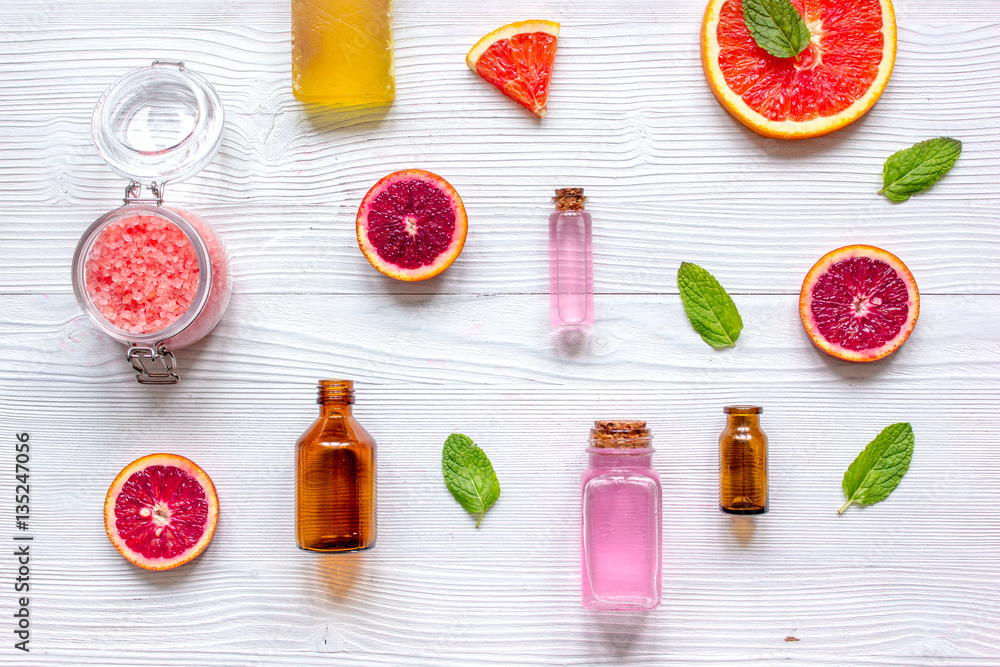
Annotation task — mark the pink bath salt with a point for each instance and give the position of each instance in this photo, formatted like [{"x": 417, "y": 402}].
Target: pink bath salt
[{"x": 142, "y": 273}]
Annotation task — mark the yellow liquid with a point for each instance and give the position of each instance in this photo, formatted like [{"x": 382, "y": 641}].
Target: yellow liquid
[{"x": 342, "y": 52}]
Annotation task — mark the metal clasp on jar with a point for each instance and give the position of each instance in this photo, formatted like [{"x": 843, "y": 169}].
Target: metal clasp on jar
[
  {"x": 133, "y": 193},
  {"x": 152, "y": 365}
]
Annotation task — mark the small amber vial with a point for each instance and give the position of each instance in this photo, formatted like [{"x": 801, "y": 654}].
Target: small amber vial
[
  {"x": 742, "y": 462},
  {"x": 335, "y": 477}
]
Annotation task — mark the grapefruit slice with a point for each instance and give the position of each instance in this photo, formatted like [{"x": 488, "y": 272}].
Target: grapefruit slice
[
  {"x": 835, "y": 80},
  {"x": 859, "y": 303},
  {"x": 412, "y": 225},
  {"x": 517, "y": 59},
  {"x": 161, "y": 511}
]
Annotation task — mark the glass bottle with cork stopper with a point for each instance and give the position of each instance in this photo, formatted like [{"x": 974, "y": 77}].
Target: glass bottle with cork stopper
[
  {"x": 335, "y": 477},
  {"x": 622, "y": 525},
  {"x": 151, "y": 276},
  {"x": 571, "y": 263},
  {"x": 743, "y": 462}
]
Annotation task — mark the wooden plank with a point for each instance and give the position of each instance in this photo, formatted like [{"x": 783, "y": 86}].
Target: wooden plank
[
  {"x": 912, "y": 579},
  {"x": 670, "y": 175}
]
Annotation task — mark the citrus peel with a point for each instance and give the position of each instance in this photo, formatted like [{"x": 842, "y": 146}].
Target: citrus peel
[
  {"x": 859, "y": 303},
  {"x": 839, "y": 76},
  {"x": 161, "y": 511},
  {"x": 517, "y": 59},
  {"x": 411, "y": 225}
]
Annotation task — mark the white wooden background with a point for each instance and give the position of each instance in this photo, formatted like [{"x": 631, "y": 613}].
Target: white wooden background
[{"x": 671, "y": 176}]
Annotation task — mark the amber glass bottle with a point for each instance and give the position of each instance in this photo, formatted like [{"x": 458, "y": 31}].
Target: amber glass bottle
[
  {"x": 742, "y": 462},
  {"x": 335, "y": 477}
]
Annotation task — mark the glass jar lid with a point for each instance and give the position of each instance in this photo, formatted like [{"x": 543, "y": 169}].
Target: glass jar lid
[{"x": 158, "y": 123}]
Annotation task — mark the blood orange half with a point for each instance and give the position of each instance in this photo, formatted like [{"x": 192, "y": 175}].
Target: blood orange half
[
  {"x": 412, "y": 225},
  {"x": 859, "y": 303},
  {"x": 835, "y": 80},
  {"x": 517, "y": 59},
  {"x": 161, "y": 511}
]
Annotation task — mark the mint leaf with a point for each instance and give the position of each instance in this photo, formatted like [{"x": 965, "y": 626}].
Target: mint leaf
[
  {"x": 916, "y": 168},
  {"x": 712, "y": 313},
  {"x": 469, "y": 475},
  {"x": 879, "y": 467},
  {"x": 776, "y": 26}
]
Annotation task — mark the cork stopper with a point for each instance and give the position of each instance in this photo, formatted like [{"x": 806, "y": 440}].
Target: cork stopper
[
  {"x": 620, "y": 434},
  {"x": 569, "y": 199}
]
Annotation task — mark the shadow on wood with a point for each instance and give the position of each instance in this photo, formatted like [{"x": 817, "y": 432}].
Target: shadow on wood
[{"x": 337, "y": 574}]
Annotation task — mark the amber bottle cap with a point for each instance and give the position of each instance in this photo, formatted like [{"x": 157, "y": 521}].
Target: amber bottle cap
[{"x": 620, "y": 434}]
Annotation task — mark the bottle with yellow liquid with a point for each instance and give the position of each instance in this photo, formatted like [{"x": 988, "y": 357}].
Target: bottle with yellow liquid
[{"x": 342, "y": 52}]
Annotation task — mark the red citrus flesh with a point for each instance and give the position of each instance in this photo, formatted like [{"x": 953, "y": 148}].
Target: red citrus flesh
[
  {"x": 517, "y": 59},
  {"x": 859, "y": 303},
  {"x": 835, "y": 80},
  {"x": 161, "y": 511},
  {"x": 412, "y": 225}
]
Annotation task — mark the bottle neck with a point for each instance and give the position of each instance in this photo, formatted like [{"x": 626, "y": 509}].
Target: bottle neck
[
  {"x": 334, "y": 409},
  {"x": 604, "y": 458},
  {"x": 743, "y": 421},
  {"x": 742, "y": 416},
  {"x": 335, "y": 397}
]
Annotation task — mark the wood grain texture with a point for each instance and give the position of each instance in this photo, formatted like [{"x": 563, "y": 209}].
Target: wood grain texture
[
  {"x": 912, "y": 580},
  {"x": 671, "y": 177}
]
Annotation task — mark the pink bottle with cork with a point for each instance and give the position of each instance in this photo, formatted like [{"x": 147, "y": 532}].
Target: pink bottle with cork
[
  {"x": 622, "y": 524},
  {"x": 571, "y": 264},
  {"x": 154, "y": 277}
]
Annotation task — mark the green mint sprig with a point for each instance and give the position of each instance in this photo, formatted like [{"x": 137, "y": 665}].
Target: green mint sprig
[
  {"x": 710, "y": 309},
  {"x": 469, "y": 475},
  {"x": 879, "y": 467},
  {"x": 916, "y": 168},
  {"x": 776, "y": 26}
]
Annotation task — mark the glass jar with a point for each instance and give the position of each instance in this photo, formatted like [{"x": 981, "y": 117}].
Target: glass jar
[
  {"x": 154, "y": 277},
  {"x": 743, "y": 462},
  {"x": 335, "y": 477},
  {"x": 622, "y": 524}
]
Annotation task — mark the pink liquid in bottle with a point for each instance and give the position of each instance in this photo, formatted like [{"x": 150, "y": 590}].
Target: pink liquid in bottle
[
  {"x": 621, "y": 527},
  {"x": 571, "y": 275}
]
